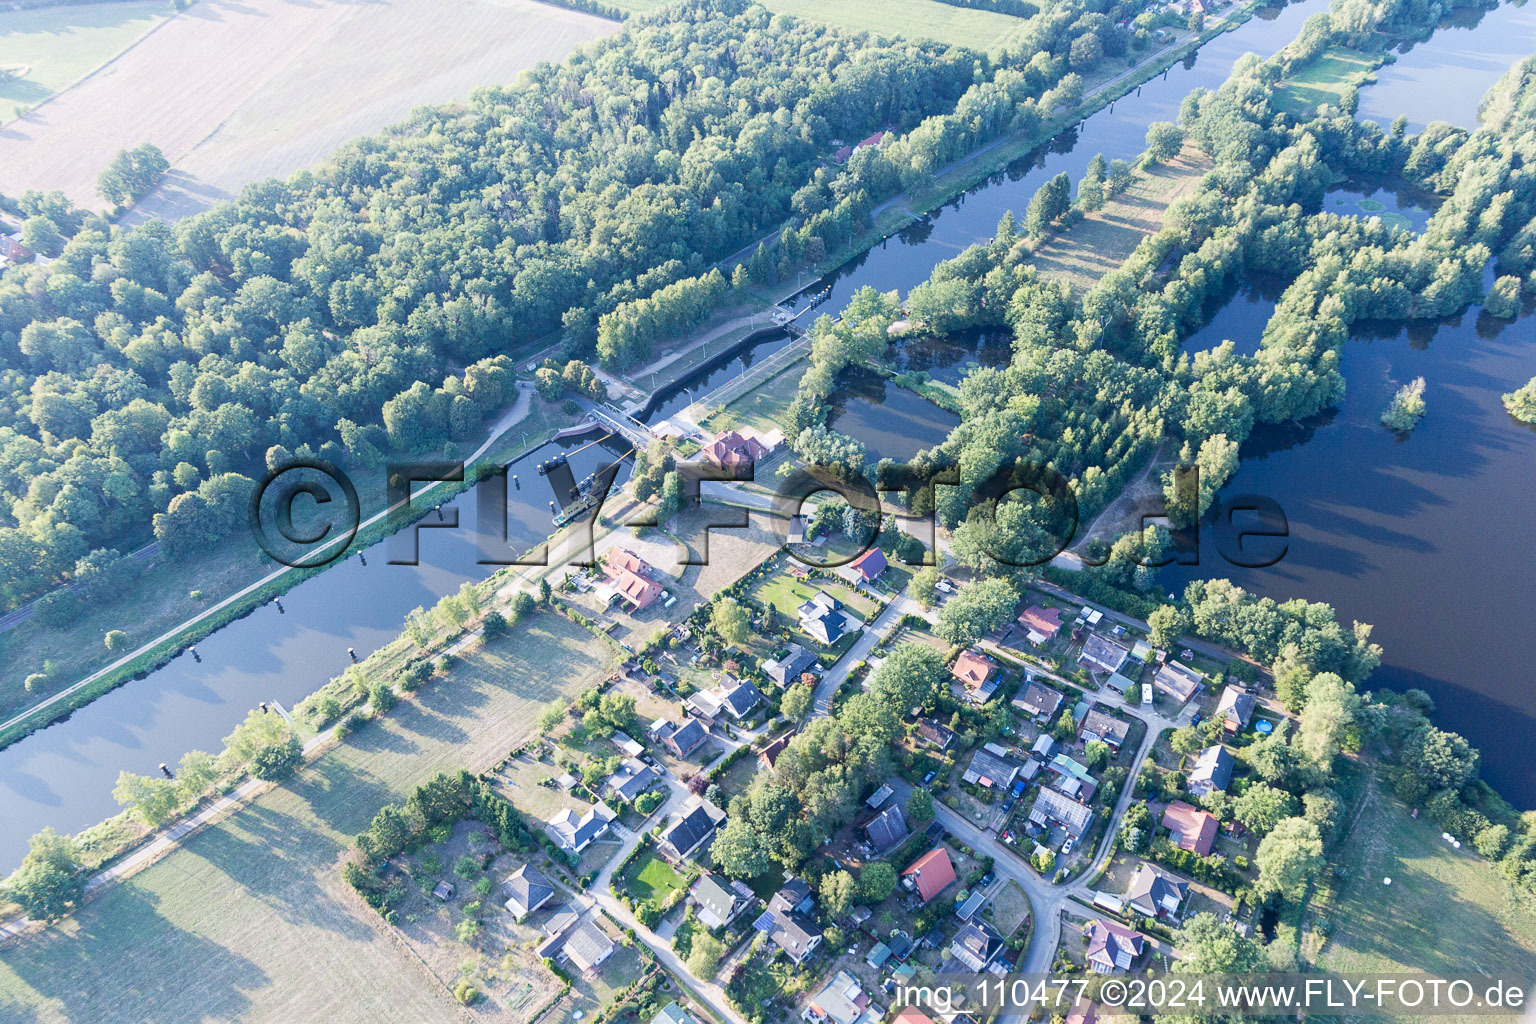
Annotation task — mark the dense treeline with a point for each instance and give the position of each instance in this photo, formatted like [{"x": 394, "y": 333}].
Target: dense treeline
[
  {"x": 155, "y": 363},
  {"x": 1017, "y": 8}
]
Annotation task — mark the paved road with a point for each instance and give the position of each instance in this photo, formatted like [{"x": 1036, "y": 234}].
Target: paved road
[{"x": 872, "y": 634}]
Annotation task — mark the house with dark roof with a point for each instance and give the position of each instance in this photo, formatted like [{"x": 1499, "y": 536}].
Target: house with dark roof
[
  {"x": 685, "y": 738},
  {"x": 633, "y": 778},
  {"x": 787, "y": 670},
  {"x": 886, "y": 830},
  {"x": 975, "y": 945},
  {"x": 822, "y": 618},
  {"x": 1154, "y": 892},
  {"x": 741, "y": 699},
  {"x": 991, "y": 767},
  {"x": 1212, "y": 771},
  {"x": 1190, "y": 828},
  {"x": 1235, "y": 709},
  {"x": 935, "y": 735},
  {"x": 929, "y": 874},
  {"x": 673, "y": 1013},
  {"x": 1038, "y": 700},
  {"x": 770, "y": 754},
  {"x": 1112, "y": 947},
  {"x": 526, "y": 891},
  {"x": 867, "y": 566},
  {"x": 719, "y": 901},
  {"x": 575, "y": 832},
  {"x": 1040, "y": 624},
  {"x": 1052, "y": 808},
  {"x": 690, "y": 830},
  {"x": 1107, "y": 729},
  {"x": 1177, "y": 681},
  {"x": 1102, "y": 655},
  {"x": 787, "y": 921}
]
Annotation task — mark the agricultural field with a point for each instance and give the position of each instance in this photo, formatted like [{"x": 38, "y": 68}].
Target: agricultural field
[
  {"x": 917, "y": 19},
  {"x": 48, "y": 49},
  {"x": 267, "y": 87},
  {"x": 1323, "y": 79},
  {"x": 251, "y": 918},
  {"x": 1104, "y": 239},
  {"x": 1446, "y": 910}
]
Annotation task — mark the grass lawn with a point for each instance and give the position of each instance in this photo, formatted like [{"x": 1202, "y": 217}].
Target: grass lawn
[
  {"x": 1446, "y": 910},
  {"x": 1104, "y": 239},
  {"x": 918, "y": 19},
  {"x": 1009, "y": 909},
  {"x": 251, "y": 920},
  {"x": 786, "y": 594},
  {"x": 60, "y": 45},
  {"x": 650, "y": 878},
  {"x": 1323, "y": 80},
  {"x": 763, "y": 407}
]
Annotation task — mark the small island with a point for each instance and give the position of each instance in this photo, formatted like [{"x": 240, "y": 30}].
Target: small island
[
  {"x": 1522, "y": 403},
  {"x": 1407, "y": 407}
]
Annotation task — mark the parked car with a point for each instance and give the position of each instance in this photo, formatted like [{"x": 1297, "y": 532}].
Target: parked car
[
  {"x": 1066, "y": 847},
  {"x": 929, "y": 777},
  {"x": 1196, "y": 719},
  {"x": 986, "y": 879}
]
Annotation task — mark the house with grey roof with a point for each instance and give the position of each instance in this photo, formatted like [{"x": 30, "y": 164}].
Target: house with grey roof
[
  {"x": 975, "y": 945},
  {"x": 1052, "y": 808},
  {"x": 1235, "y": 709},
  {"x": 718, "y": 900},
  {"x": 1177, "y": 681},
  {"x": 1038, "y": 700},
  {"x": 1212, "y": 770},
  {"x": 1102, "y": 655},
  {"x": 1154, "y": 892},
  {"x": 685, "y": 738},
  {"x": 633, "y": 778},
  {"x": 673, "y": 1013},
  {"x": 787, "y": 921},
  {"x": 991, "y": 767},
  {"x": 526, "y": 891},
  {"x": 787, "y": 670},
  {"x": 1106, "y": 728},
  {"x": 690, "y": 830},
  {"x": 886, "y": 830},
  {"x": 575, "y": 832}
]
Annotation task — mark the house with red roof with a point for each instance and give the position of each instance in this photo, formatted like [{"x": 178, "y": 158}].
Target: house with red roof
[
  {"x": 1041, "y": 624},
  {"x": 622, "y": 560},
  {"x": 974, "y": 669},
  {"x": 1192, "y": 829},
  {"x": 929, "y": 874},
  {"x": 637, "y": 591},
  {"x": 730, "y": 448}
]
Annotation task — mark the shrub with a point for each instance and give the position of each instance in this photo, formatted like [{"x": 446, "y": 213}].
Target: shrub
[{"x": 277, "y": 760}]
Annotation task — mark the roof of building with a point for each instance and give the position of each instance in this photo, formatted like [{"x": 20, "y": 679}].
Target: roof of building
[
  {"x": 1045, "y": 745},
  {"x": 887, "y": 828},
  {"x": 717, "y": 896},
  {"x": 931, "y": 873},
  {"x": 588, "y": 945},
  {"x": 1038, "y": 619},
  {"x": 1108, "y": 728},
  {"x": 972, "y": 667},
  {"x": 990, "y": 767},
  {"x": 691, "y": 828},
  {"x": 975, "y": 944},
  {"x": 1154, "y": 891},
  {"x": 686, "y": 737},
  {"x": 576, "y": 830},
  {"x": 1236, "y": 707},
  {"x": 870, "y": 564},
  {"x": 1102, "y": 654},
  {"x": 625, "y": 560},
  {"x": 1113, "y": 945},
  {"x": 730, "y": 447},
  {"x": 1061, "y": 764},
  {"x": 1177, "y": 680},
  {"x": 842, "y": 1000},
  {"x": 1038, "y": 699},
  {"x": 934, "y": 734},
  {"x": 674, "y": 1013},
  {"x": 879, "y": 796},
  {"x": 633, "y": 778},
  {"x": 787, "y": 928},
  {"x": 973, "y": 903},
  {"x": 1058, "y": 807},
  {"x": 740, "y": 699},
  {"x": 1212, "y": 768},
  {"x": 636, "y": 589},
  {"x": 1193, "y": 829},
  {"x": 770, "y": 754},
  {"x": 822, "y": 618},
  {"x": 788, "y": 669},
  {"x": 626, "y": 743},
  {"x": 526, "y": 890}
]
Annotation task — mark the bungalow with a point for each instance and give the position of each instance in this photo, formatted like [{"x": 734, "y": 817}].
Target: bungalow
[
  {"x": 1102, "y": 655},
  {"x": 787, "y": 921},
  {"x": 730, "y": 450},
  {"x": 1053, "y": 808},
  {"x": 1212, "y": 770},
  {"x": 526, "y": 891},
  {"x": 822, "y": 618},
  {"x": 1153, "y": 892},
  {"x": 587, "y": 946},
  {"x": 633, "y": 778},
  {"x": 685, "y": 739},
  {"x": 719, "y": 901},
  {"x": 1177, "y": 680},
  {"x": 1190, "y": 828},
  {"x": 867, "y": 566},
  {"x": 689, "y": 831},
  {"x": 989, "y": 767},
  {"x": 974, "y": 902},
  {"x": 935, "y": 735},
  {"x": 841, "y": 1001},
  {"x": 1096, "y": 725},
  {"x": 975, "y": 944},
  {"x": 1038, "y": 700},
  {"x": 674, "y": 1013},
  {"x": 886, "y": 830},
  {"x": 575, "y": 832},
  {"x": 1112, "y": 947},
  {"x": 973, "y": 669},
  {"x": 1040, "y": 624},
  {"x": 929, "y": 874},
  {"x": 786, "y": 670},
  {"x": 1235, "y": 709}
]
